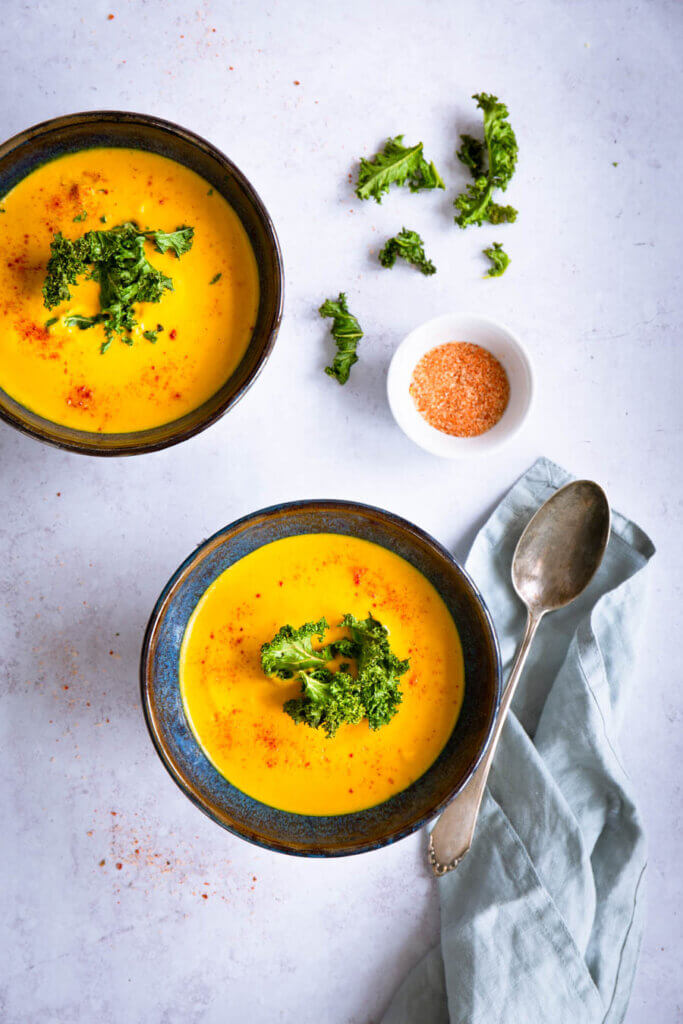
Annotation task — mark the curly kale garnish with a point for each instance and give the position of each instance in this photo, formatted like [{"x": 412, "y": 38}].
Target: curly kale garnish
[
  {"x": 499, "y": 260},
  {"x": 398, "y": 165},
  {"x": 291, "y": 650},
  {"x": 116, "y": 259},
  {"x": 410, "y": 247},
  {"x": 379, "y": 670},
  {"x": 330, "y": 698},
  {"x": 492, "y": 166},
  {"x": 346, "y": 332}
]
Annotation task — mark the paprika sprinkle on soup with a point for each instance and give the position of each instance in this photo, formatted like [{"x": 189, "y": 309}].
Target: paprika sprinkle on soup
[{"x": 460, "y": 389}]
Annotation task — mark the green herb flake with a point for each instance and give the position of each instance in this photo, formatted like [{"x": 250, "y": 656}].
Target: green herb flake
[
  {"x": 152, "y": 335},
  {"x": 499, "y": 260},
  {"x": 215, "y": 278},
  {"x": 396, "y": 164},
  {"x": 178, "y": 241},
  {"x": 51, "y": 322},
  {"x": 331, "y": 698},
  {"x": 210, "y": 192},
  {"x": 81, "y": 217},
  {"x": 492, "y": 164},
  {"x": 84, "y": 323},
  {"x": 103, "y": 219},
  {"x": 410, "y": 247},
  {"x": 346, "y": 332}
]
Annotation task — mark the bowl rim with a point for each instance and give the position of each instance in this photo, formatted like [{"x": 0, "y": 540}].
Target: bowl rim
[
  {"x": 94, "y": 117},
  {"x": 319, "y": 850},
  {"x": 461, "y": 450}
]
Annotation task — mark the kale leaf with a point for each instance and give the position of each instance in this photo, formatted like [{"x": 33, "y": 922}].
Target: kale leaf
[
  {"x": 116, "y": 259},
  {"x": 66, "y": 263},
  {"x": 346, "y": 332},
  {"x": 409, "y": 246},
  {"x": 499, "y": 260},
  {"x": 379, "y": 670},
  {"x": 398, "y": 165},
  {"x": 492, "y": 166},
  {"x": 83, "y": 323},
  {"x": 291, "y": 650},
  {"x": 178, "y": 241},
  {"x": 330, "y": 698}
]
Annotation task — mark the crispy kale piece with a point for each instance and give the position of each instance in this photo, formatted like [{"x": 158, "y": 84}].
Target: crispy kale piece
[
  {"x": 116, "y": 259},
  {"x": 65, "y": 265},
  {"x": 178, "y": 241},
  {"x": 346, "y": 332},
  {"x": 410, "y": 247},
  {"x": 328, "y": 700},
  {"x": 499, "y": 260},
  {"x": 398, "y": 165},
  {"x": 291, "y": 650},
  {"x": 492, "y": 166},
  {"x": 379, "y": 670}
]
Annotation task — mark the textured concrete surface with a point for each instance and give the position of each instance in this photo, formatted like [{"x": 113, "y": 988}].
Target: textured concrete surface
[{"x": 105, "y": 863}]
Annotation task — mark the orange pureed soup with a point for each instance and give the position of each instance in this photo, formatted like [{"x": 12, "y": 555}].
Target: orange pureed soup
[
  {"x": 58, "y": 371},
  {"x": 235, "y": 711}
]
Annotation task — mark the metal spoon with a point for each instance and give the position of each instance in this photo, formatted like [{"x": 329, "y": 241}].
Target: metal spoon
[{"x": 554, "y": 561}]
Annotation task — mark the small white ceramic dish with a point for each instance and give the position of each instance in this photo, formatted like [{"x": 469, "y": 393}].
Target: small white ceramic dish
[{"x": 500, "y": 341}]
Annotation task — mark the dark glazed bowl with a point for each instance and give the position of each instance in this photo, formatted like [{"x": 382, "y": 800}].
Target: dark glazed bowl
[
  {"x": 310, "y": 835},
  {"x": 44, "y": 142}
]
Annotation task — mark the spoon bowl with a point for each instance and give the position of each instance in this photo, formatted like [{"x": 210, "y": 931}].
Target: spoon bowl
[{"x": 562, "y": 546}]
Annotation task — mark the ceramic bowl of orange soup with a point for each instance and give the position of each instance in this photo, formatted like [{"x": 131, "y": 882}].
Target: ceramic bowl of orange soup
[
  {"x": 217, "y": 720},
  {"x": 66, "y": 377}
]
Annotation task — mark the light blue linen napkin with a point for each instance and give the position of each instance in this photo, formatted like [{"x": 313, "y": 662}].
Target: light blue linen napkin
[{"x": 542, "y": 920}]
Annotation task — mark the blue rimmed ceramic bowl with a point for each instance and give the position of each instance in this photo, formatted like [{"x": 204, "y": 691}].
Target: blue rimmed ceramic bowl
[
  {"x": 311, "y": 835},
  {"x": 23, "y": 153}
]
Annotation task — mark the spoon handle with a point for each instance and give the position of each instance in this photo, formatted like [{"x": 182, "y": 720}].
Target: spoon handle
[{"x": 452, "y": 835}]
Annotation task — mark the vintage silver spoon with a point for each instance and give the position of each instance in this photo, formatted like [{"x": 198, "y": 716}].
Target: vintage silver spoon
[{"x": 554, "y": 561}]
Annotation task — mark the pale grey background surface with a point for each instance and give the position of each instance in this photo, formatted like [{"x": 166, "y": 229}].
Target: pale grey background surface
[{"x": 594, "y": 289}]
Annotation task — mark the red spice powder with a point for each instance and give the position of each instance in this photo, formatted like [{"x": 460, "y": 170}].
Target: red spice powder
[
  {"x": 80, "y": 397},
  {"x": 460, "y": 389}
]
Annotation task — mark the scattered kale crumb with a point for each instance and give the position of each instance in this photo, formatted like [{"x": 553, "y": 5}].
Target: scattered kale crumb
[
  {"x": 210, "y": 192},
  {"x": 49, "y": 323},
  {"x": 152, "y": 335},
  {"x": 410, "y": 247},
  {"x": 346, "y": 332},
  {"x": 499, "y": 260},
  {"x": 216, "y": 277},
  {"x": 80, "y": 217},
  {"x": 103, "y": 219},
  {"x": 615, "y": 163}
]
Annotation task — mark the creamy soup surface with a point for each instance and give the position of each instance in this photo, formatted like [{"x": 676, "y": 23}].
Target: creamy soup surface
[
  {"x": 236, "y": 711},
  {"x": 58, "y": 372}
]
